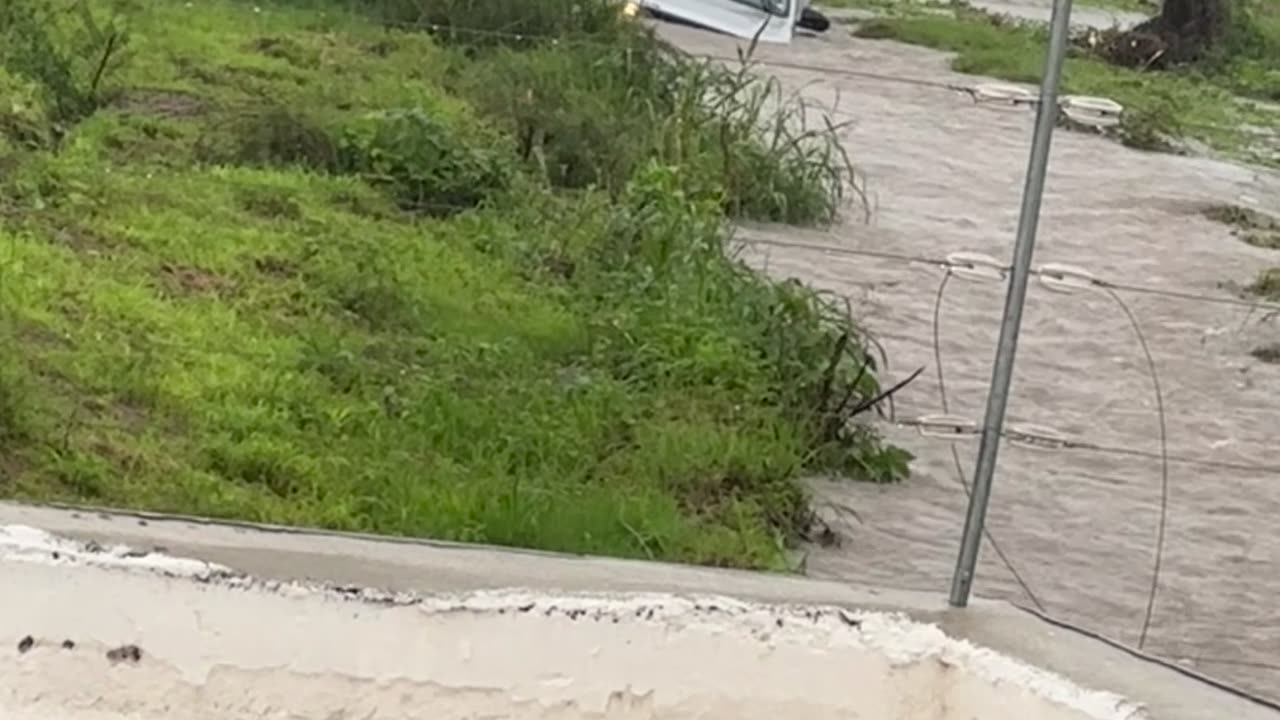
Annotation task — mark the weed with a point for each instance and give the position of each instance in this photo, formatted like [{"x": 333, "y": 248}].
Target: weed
[
  {"x": 1154, "y": 126},
  {"x": 1267, "y": 284},
  {"x": 428, "y": 164},
  {"x": 270, "y": 135},
  {"x": 24, "y": 119},
  {"x": 14, "y": 404},
  {"x": 69, "y": 53},
  {"x": 1253, "y": 227}
]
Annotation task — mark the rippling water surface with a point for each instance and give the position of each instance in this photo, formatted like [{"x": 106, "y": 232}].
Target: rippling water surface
[{"x": 1079, "y": 526}]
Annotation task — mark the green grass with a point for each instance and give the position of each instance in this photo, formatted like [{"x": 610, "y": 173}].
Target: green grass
[
  {"x": 289, "y": 264},
  {"x": 1223, "y": 108}
]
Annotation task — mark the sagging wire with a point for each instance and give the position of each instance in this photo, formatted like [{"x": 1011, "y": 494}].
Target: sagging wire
[
  {"x": 1162, "y": 525},
  {"x": 1061, "y": 278},
  {"x": 1145, "y": 657},
  {"x": 1047, "y": 439},
  {"x": 955, "y": 454},
  {"x": 1068, "y": 279}
]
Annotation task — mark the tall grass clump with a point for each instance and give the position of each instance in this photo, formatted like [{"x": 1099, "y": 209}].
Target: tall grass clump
[
  {"x": 477, "y": 23},
  {"x": 68, "y": 50},
  {"x": 590, "y": 114}
]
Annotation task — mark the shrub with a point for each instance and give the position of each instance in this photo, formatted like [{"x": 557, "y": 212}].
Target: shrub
[
  {"x": 590, "y": 116},
  {"x": 576, "y": 120},
  {"x": 271, "y": 135},
  {"x": 427, "y": 163},
  {"x": 68, "y": 54},
  {"x": 24, "y": 118},
  {"x": 1152, "y": 126}
]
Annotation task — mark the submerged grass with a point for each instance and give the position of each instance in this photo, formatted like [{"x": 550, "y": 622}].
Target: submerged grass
[
  {"x": 1227, "y": 106},
  {"x": 1267, "y": 285},
  {"x": 298, "y": 263},
  {"x": 1251, "y": 226}
]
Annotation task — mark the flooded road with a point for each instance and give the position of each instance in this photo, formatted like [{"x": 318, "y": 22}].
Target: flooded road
[{"x": 1078, "y": 525}]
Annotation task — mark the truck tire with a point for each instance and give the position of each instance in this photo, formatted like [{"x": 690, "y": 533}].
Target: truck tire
[{"x": 811, "y": 19}]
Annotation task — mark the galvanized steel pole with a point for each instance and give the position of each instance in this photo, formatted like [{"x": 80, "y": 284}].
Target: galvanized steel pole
[{"x": 1002, "y": 372}]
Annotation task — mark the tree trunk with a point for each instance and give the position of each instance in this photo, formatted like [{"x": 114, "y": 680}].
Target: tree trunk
[{"x": 1184, "y": 32}]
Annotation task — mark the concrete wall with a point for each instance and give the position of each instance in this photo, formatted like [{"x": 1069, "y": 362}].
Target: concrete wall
[
  {"x": 104, "y": 632},
  {"x": 310, "y": 617}
]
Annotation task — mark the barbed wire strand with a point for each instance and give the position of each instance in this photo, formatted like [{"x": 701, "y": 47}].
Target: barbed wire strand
[
  {"x": 944, "y": 263},
  {"x": 955, "y": 453},
  {"x": 1059, "y": 443},
  {"x": 1173, "y": 458}
]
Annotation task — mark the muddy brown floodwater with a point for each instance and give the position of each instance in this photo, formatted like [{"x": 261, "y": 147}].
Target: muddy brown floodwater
[{"x": 1080, "y": 526}]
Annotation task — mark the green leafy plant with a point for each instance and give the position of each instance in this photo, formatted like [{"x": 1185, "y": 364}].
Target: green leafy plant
[
  {"x": 69, "y": 53},
  {"x": 24, "y": 118},
  {"x": 428, "y": 164}
]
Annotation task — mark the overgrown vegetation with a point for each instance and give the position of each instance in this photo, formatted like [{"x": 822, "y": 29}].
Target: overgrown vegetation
[
  {"x": 1252, "y": 226},
  {"x": 1221, "y": 102},
  {"x": 1267, "y": 285},
  {"x": 1262, "y": 231},
  {"x": 306, "y": 263}
]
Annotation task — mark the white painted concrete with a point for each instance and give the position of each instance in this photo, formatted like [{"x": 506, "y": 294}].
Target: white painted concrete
[
  {"x": 211, "y": 643},
  {"x": 110, "y": 592}
]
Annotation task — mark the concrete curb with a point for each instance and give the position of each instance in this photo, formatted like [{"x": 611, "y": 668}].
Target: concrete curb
[{"x": 405, "y": 566}]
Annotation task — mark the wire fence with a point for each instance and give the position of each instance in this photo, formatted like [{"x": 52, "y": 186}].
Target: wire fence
[
  {"x": 948, "y": 432},
  {"x": 949, "y": 429}
]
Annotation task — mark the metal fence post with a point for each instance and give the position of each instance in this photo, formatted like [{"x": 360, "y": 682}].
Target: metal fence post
[{"x": 1002, "y": 372}]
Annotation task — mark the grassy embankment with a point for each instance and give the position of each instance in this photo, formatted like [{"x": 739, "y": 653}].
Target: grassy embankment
[
  {"x": 1227, "y": 105},
  {"x": 301, "y": 263}
]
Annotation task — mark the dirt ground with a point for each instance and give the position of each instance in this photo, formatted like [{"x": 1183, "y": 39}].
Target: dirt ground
[{"x": 1080, "y": 526}]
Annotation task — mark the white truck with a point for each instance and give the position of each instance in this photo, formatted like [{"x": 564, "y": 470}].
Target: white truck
[{"x": 742, "y": 18}]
